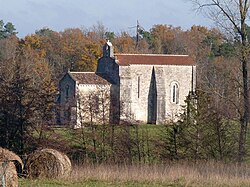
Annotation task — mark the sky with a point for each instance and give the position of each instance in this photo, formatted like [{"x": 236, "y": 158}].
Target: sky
[{"x": 116, "y": 15}]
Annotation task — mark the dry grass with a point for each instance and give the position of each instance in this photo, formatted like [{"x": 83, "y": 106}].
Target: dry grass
[{"x": 184, "y": 174}]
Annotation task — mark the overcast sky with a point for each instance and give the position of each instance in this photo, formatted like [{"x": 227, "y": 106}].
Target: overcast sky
[{"x": 117, "y": 15}]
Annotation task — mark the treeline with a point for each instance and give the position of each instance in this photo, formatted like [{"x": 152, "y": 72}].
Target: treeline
[
  {"x": 78, "y": 49},
  {"x": 31, "y": 67}
]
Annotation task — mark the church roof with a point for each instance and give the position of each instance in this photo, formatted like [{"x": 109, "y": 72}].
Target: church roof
[
  {"x": 154, "y": 59},
  {"x": 88, "y": 78}
]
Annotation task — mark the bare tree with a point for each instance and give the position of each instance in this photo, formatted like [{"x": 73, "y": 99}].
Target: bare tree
[{"x": 231, "y": 15}]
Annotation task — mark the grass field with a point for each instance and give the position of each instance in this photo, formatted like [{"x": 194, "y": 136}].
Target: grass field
[
  {"x": 178, "y": 174},
  {"x": 146, "y": 172}
]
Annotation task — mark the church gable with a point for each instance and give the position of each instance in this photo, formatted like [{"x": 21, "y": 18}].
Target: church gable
[{"x": 67, "y": 88}]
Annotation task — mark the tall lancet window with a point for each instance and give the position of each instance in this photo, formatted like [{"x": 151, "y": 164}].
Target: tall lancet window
[
  {"x": 138, "y": 86},
  {"x": 175, "y": 93}
]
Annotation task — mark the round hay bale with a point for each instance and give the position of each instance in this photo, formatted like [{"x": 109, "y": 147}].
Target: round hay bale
[
  {"x": 9, "y": 162},
  {"x": 48, "y": 163},
  {"x": 8, "y": 169},
  {"x": 6, "y": 155}
]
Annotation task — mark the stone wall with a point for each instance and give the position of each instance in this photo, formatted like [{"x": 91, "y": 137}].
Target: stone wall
[
  {"x": 126, "y": 91},
  {"x": 140, "y": 84},
  {"x": 134, "y": 97},
  {"x": 83, "y": 103},
  {"x": 93, "y": 104},
  {"x": 182, "y": 75}
]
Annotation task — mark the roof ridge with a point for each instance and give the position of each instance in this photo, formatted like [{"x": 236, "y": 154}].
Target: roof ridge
[
  {"x": 154, "y": 59},
  {"x": 130, "y": 54},
  {"x": 81, "y": 72}
]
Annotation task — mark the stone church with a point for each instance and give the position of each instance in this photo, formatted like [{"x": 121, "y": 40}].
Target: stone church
[{"x": 145, "y": 88}]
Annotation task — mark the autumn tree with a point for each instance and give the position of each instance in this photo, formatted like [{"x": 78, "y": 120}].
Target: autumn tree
[
  {"x": 51, "y": 45},
  {"x": 124, "y": 43},
  {"x": 165, "y": 38},
  {"x": 27, "y": 97},
  {"x": 8, "y": 47}
]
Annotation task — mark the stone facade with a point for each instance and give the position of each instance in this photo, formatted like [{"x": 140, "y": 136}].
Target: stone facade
[
  {"x": 147, "y": 91},
  {"x": 146, "y": 88},
  {"x": 84, "y": 98}
]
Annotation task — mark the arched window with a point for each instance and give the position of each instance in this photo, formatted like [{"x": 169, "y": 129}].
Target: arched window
[{"x": 174, "y": 93}]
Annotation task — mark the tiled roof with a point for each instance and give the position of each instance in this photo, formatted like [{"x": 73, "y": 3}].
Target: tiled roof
[
  {"x": 88, "y": 78},
  {"x": 154, "y": 59}
]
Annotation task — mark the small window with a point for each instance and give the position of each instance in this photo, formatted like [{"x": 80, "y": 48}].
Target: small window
[
  {"x": 96, "y": 104},
  {"x": 175, "y": 93}
]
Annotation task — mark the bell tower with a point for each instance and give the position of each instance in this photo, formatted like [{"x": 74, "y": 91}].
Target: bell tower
[{"x": 108, "y": 50}]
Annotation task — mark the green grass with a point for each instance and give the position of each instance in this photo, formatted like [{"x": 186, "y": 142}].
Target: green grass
[
  {"x": 99, "y": 183},
  {"x": 96, "y": 183},
  {"x": 73, "y": 137},
  {"x": 68, "y": 133}
]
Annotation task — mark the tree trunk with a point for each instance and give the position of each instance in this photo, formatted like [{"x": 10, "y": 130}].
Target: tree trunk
[
  {"x": 244, "y": 54},
  {"x": 245, "y": 117}
]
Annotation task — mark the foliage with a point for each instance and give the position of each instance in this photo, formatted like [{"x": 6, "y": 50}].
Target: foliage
[
  {"x": 26, "y": 101},
  {"x": 201, "y": 134},
  {"x": 7, "y": 30}
]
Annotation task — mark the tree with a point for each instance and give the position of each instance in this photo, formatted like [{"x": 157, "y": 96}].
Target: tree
[
  {"x": 164, "y": 38},
  {"x": 26, "y": 97},
  {"x": 97, "y": 32},
  {"x": 232, "y": 16},
  {"x": 109, "y": 35},
  {"x": 124, "y": 43},
  {"x": 7, "y": 30},
  {"x": 44, "y": 32},
  {"x": 8, "y": 47}
]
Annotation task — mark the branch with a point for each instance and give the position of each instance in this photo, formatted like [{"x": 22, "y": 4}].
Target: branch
[
  {"x": 229, "y": 17},
  {"x": 227, "y": 14}
]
